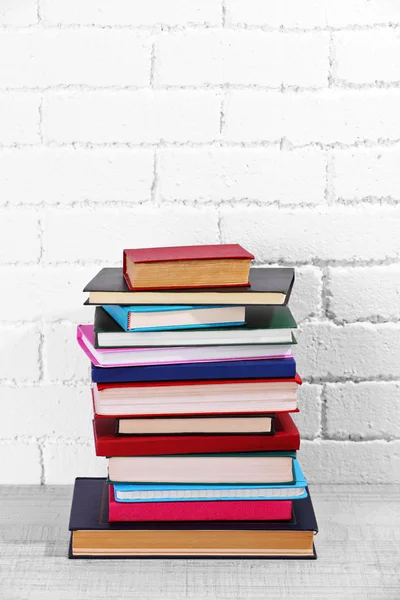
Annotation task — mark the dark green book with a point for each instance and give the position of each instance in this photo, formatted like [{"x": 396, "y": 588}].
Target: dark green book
[{"x": 264, "y": 325}]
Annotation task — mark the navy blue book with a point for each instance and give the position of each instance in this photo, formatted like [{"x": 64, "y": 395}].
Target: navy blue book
[
  {"x": 283, "y": 368},
  {"x": 93, "y": 536}
]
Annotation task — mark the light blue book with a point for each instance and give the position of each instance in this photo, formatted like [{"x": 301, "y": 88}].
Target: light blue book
[
  {"x": 169, "y": 492},
  {"x": 172, "y": 317}
]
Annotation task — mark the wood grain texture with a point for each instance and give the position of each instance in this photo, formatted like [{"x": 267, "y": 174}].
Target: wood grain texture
[{"x": 358, "y": 556}]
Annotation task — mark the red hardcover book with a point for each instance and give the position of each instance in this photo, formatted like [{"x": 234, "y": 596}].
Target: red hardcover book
[
  {"x": 185, "y": 267},
  {"x": 239, "y": 396},
  {"x": 218, "y": 510},
  {"x": 205, "y": 382},
  {"x": 107, "y": 443}
]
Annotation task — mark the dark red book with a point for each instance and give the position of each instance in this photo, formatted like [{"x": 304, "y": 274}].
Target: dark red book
[
  {"x": 184, "y": 267},
  {"x": 108, "y": 443},
  {"x": 216, "y": 510},
  {"x": 162, "y": 384}
]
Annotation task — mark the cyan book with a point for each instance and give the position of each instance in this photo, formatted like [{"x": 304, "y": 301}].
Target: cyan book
[{"x": 169, "y": 317}]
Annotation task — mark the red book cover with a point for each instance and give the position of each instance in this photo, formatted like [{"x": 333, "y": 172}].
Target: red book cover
[
  {"x": 217, "y": 510},
  {"x": 176, "y": 253},
  {"x": 210, "y": 252},
  {"x": 107, "y": 443},
  {"x": 105, "y": 386}
]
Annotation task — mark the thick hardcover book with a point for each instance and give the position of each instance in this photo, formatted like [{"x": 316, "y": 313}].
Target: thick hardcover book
[
  {"x": 264, "y": 325},
  {"x": 231, "y": 510},
  {"x": 94, "y": 536},
  {"x": 286, "y": 437},
  {"x": 129, "y": 357},
  {"x": 267, "y": 286},
  {"x": 179, "y": 253},
  {"x": 248, "y": 369},
  {"x": 186, "y": 266}
]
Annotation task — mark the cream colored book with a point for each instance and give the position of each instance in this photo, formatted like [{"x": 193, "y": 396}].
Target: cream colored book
[
  {"x": 196, "y": 425},
  {"x": 251, "y": 467}
]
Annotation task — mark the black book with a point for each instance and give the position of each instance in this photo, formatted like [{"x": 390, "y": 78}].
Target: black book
[
  {"x": 93, "y": 536},
  {"x": 267, "y": 286}
]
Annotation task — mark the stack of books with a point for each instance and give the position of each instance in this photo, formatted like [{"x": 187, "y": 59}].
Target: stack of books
[{"x": 193, "y": 383}]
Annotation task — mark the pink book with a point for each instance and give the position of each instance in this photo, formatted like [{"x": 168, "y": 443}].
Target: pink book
[
  {"x": 134, "y": 357},
  {"x": 216, "y": 510}
]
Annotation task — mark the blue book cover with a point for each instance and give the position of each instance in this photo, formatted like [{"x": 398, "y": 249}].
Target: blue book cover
[
  {"x": 121, "y": 313},
  {"x": 282, "y": 368},
  {"x": 210, "y": 492}
]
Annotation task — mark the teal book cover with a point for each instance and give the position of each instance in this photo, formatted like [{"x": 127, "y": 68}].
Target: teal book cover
[{"x": 122, "y": 315}]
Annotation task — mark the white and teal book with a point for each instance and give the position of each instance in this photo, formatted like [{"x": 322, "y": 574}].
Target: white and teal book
[
  {"x": 170, "y": 317},
  {"x": 263, "y": 325},
  {"x": 153, "y": 492}
]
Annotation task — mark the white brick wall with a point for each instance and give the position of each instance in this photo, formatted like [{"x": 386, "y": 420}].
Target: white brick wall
[
  {"x": 131, "y": 12},
  {"x": 132, "y": 123}
]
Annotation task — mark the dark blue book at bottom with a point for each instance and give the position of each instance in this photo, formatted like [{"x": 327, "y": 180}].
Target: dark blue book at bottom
[
  {"x": 93, "y": 536},
  {"x": 284, "y": 368}
]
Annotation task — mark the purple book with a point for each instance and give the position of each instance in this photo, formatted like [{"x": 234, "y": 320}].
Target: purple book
[{"x": 133, "y": 357}]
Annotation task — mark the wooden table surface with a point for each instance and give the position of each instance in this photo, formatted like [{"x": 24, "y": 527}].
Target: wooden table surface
[{"x": 358, "y": 555}]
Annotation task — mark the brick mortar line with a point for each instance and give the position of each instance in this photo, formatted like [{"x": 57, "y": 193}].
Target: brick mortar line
[
  {"x": 234, "y": 203},
  {"x": 219, "y": 228},
  {"x": 323, "y": 413},
  {"x": 38, "y": 14},
  {"x": 40, "y": 442},
  {"x": 282, "y": 145},
  {"x": 154, "y": 195},
  {"x": 153, "y": 62},
  {"x": 40, "y": 360},
  {"x": 224, "y": 22},
  {"x": 337, "y": 85},
  {"x": 222, "y": 118},
  {"x": 164, "y": 29},
  {"x": 283, "y": 263},
  {"x": 350, "y": 379}
]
